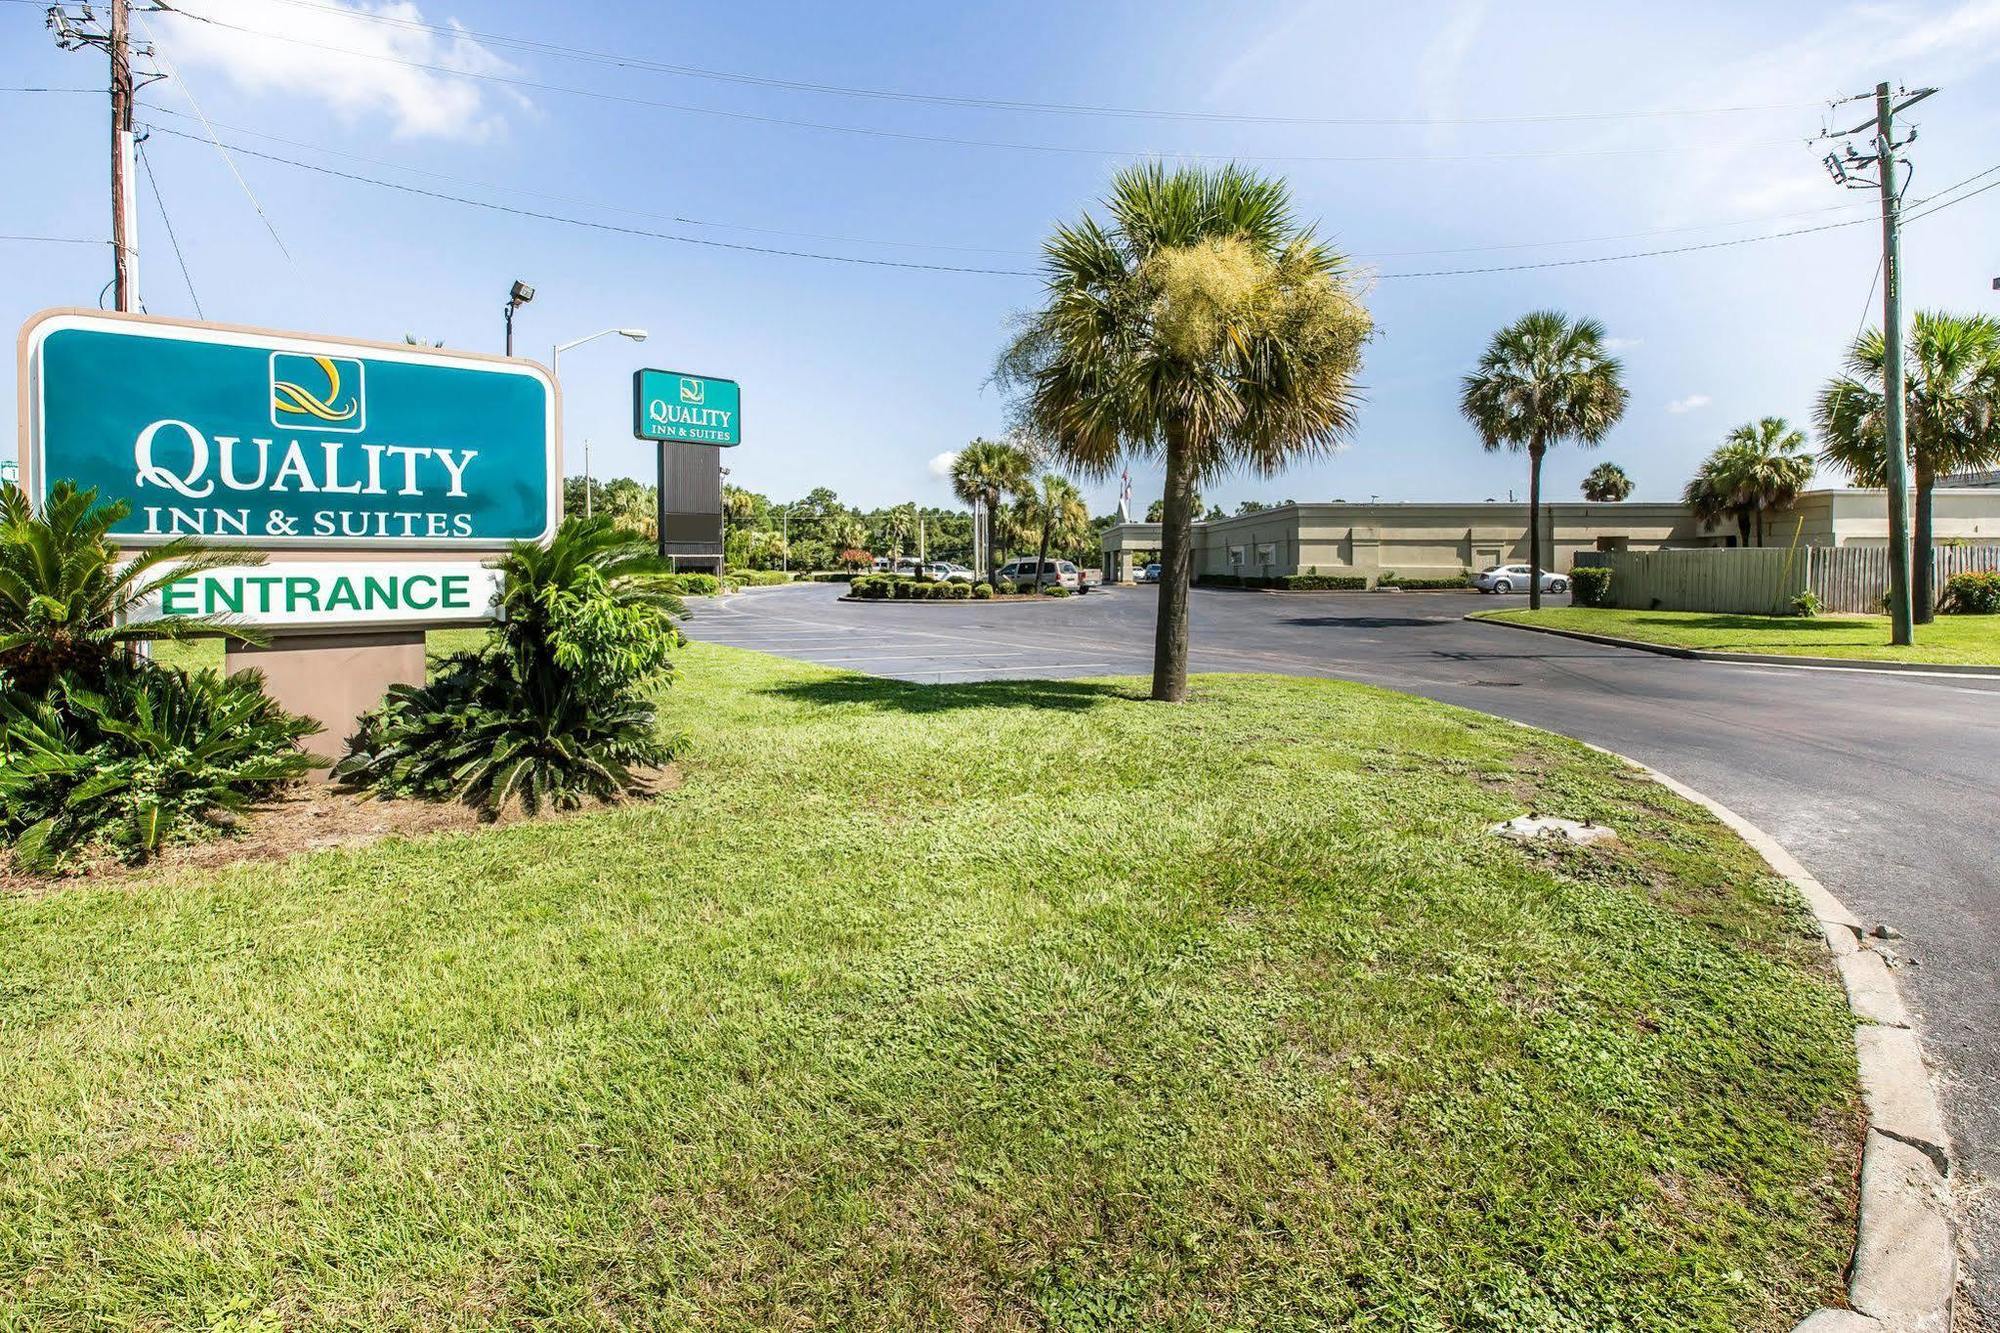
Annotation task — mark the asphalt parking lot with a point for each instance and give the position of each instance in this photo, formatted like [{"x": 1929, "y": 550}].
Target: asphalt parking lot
[{"x": 1886, "y": 786}]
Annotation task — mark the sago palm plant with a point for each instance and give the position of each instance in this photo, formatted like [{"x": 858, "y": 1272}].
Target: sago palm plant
[
  {"x": 67, "y": 594},
  {"x": 1202, "y": 326}
]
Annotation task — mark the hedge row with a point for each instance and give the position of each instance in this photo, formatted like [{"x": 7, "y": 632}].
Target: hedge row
[
  {"x": 1972, "y": 595},
  {"x": 889, "y": 587},
  {"x": 1289, "y": 582}
]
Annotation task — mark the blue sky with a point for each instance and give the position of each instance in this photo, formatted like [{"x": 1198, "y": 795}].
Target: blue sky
[{"x": 859, "y": 377}]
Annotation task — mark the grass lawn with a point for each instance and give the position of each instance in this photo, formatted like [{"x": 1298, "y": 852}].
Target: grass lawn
[
  {"x": 1949, "y": 640},
  {"x": 195, "y": 653},
  {"x": 1018, "y": 1005}
]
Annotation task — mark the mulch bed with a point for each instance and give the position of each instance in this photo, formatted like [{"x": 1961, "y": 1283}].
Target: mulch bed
[{"x": 310, "y": 817}]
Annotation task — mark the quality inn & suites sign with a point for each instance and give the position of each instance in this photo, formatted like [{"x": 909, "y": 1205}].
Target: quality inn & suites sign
[
  {"x": 677, "y": 408},
  {"x": 279, "y": 441}
]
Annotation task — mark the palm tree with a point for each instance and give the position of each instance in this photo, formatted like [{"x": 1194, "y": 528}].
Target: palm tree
[
  {"x": 1767, "y": 466},
  {"x": 1544, "y": 378},
  {"x": 1051, "y": 510},
  {"x": 1606, "y": 484},
  {"x": 1952, "y": 395},
  {"x": 67, "y": 594},
  {"x": 984, "y": 471},
  {"x": 1204, "y": 326},
  {"x": 1711, "y": 499}
]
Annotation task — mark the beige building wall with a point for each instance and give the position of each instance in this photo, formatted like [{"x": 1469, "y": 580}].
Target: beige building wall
[{"x": 1420, "y": 540}]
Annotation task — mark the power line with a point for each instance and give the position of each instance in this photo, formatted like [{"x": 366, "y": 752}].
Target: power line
[
  {"x": 180, "y": 81},
  {"x": 583, "y": 200},
  {"x": 1007, "y": 104},
  {"x": 160, "y": 202},
  {"x": 995, "y": 272},
  {"x": 603, "y": 226},
  {"x": 963, "y": 249},
  {"x": 909, "y": 136},
  {"x": 56, "y": 240}
]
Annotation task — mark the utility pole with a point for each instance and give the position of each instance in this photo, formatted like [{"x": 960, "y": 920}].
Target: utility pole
[
  {"x": 1895, "y": 429},
  {"x": 124, "y": 223},
  {"x": 74, "y": 31}
]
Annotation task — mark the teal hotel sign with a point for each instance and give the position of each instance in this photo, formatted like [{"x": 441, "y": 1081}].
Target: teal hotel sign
[
  {"x": 251, "y": 437},
  {"x": 678, "y": 408}
]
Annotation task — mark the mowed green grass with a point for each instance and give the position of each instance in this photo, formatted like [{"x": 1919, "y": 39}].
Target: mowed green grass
[
  {"x": 1948, "y": 640},
  {"x": 1025, "y": 1005},
  {"x": 195, "y": 654}
]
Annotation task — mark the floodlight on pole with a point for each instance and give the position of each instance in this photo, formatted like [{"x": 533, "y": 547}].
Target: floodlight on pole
[{"x": 517, "y": 296}]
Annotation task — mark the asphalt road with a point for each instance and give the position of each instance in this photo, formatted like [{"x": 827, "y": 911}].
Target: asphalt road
[{"x": 1886, "y": 786}]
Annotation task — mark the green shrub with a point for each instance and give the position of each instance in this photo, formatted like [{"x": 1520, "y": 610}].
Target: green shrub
[
  {"x": 959, "y": 591},
  {"x": 759, "y": 578},
  {"x": 902, "y": 590},
  {"x": 1423, "y": 584},
  {"x": 981, "y": 592},
  {"x": 1055, "y": 590},
  {"x": 153, "y": 756},
  {"x": 1323, "y": 582},
  {"x": 1590, "y": 585},
  {"x": 1006, "y": 587},
  {"x": 1976, "y": 594},
  {"x": 690, "y": 584},
  {"x": 67, "y": 593},
  {"x": 1805, "y": 605},
  {"x": 1219, "y": 580},
  {"x": 556, "y": 707}
]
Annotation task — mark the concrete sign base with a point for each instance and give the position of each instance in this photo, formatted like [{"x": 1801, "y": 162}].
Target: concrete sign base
[{"x": 333, "y": 678}]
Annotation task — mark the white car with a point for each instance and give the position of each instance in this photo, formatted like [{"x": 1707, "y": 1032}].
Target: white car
[
  {"x": 1150, "y": 574},
  {"x": 946, "y": 571},
  {"x": 1021, "y": 573},
  {"x": 1512, "y": 578}
]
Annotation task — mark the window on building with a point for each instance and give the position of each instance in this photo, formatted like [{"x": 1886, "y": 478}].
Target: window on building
[
  {"x": 1236, "y": 556},
  {"x": 1267, "y": 553}
]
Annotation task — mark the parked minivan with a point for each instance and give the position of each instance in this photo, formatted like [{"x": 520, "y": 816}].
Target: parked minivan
[{"x": 1022, "y": 573}]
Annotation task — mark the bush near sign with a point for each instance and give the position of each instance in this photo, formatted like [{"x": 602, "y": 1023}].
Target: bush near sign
[{"x": 672, "y": 407}]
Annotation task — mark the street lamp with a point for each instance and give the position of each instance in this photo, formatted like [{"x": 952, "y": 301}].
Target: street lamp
[
  {"x": 517, "y": 296},
  {"x": 555, "y": 371}
]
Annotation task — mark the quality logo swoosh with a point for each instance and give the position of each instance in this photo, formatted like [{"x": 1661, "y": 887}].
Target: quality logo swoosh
[{"x": 296, "y": 400}]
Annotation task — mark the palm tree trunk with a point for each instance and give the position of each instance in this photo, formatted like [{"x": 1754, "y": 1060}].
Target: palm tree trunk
[
  {"x": 1042, "y": 559},
  {"x": 1535, "y": 526},
  {"x": 1170, "y": 626},
  {"x": 1923, "y": 597}
]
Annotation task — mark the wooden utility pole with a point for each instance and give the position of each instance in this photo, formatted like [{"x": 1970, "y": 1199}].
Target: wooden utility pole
[
  {"x": 1895, "y": 430},
  {"x": 124, "y": 219}
]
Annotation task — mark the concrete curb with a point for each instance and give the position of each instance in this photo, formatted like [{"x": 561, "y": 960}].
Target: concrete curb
[
  {"x": 1905, "y": 1269},
  {"x": 1747, "y": 659}
]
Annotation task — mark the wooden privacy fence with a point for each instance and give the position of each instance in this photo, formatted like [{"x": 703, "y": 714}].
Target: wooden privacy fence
[{"x": 1762, "y": 581}]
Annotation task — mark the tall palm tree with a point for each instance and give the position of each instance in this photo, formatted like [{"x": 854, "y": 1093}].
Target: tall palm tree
[
  {"x": 1952, "y": 397},
  {"x": 1051, "y": 511},
  {"x": 1606, "y": 484},
  {"x": 1203, "y": 325},
  {"x": 1544, "y": 378},
  {"x": 983, "y": 472},
  {"x": 1765, "y": 466}
]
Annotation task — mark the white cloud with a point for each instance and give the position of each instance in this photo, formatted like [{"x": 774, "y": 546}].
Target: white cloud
[
  {"x": 1621, "y": 344},
  {"x": 1690, "y": 403},
  {"x": 941, "y": 463},
  {"x": 357, "y": 64}
]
